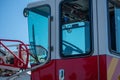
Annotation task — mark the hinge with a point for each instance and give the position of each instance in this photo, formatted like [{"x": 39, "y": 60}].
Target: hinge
[{"x": 51, "y": 18}]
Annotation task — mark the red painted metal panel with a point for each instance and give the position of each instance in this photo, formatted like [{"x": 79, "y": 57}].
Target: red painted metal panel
[
  {"x": 75, "y": 69},
  {"x": 109, "y": 67},
  {"x": 102, "y": 67},
  {"x": 78, "y": 68},
  {"x": 46, "y": 72}
]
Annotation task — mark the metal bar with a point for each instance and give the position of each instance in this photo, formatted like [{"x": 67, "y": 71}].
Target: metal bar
[{"x": 26, "y": 49}]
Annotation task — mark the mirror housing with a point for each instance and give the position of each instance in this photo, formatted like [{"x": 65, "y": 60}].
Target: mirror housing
[{"x": 26, "y": 12}]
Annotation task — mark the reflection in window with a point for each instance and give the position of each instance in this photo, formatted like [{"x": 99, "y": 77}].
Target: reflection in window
[
  {"x": 75, "y": 25},
  {"x": 114, "y": 16}
]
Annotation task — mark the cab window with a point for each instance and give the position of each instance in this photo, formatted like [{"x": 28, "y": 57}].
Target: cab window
[
  {"x": 114, "y": 25},
  {"x": 38, "y": 33},
  {"x": 75, "y": 25}
]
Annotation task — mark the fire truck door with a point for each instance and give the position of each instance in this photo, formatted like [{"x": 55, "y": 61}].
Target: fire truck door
[
  {"x": 41, "y": 25},
  {"x": 75, "y": 60}
]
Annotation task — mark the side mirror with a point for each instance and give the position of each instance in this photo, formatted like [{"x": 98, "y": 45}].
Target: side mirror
[{"x": 26, "y": 12}]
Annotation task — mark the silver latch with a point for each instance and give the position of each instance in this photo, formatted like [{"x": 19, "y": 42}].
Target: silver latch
[{"x": 61, "y": 74}]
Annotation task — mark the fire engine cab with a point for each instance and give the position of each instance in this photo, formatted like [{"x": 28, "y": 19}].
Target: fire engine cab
[
  {"x": 80, "y": 39},
  {"x": 74, "y": 39}
]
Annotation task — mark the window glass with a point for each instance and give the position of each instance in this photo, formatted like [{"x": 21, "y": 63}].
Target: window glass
[
  {"x": 114, "y": 23},
  {"x": 38, "y": 32},
  {"x": 75, "y": 27}
]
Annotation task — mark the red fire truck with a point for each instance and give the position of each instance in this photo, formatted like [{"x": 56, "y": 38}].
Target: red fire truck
[{"x": 74, "y": 39}]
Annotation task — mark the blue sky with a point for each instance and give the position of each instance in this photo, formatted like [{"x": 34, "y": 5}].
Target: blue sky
[{"x": 13, "y": 25}]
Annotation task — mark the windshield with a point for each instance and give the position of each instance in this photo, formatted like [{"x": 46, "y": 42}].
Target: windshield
[{"x": 38, "y": 31}]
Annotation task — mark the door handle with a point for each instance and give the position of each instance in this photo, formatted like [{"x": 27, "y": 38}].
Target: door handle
[{"x": 61, "y": 74}]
